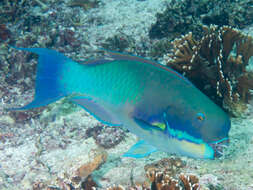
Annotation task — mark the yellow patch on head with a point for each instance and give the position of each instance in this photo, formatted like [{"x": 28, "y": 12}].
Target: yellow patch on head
[{"x": 162, "y": 126}]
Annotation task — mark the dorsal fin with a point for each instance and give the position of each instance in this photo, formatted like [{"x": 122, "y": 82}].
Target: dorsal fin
[
  {"x": 122, "y": 56},
  {"x": 98, "y": 61}
]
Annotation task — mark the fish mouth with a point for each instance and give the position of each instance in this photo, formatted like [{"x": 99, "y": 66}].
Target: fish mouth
[{"x": 219, "y": 147}]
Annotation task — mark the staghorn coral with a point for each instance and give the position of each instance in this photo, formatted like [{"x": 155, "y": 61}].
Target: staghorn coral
[
  {"x": 216, "y": 64},
  {"x": 163, "y": 181},
  {"x": 190, "y": 182}
]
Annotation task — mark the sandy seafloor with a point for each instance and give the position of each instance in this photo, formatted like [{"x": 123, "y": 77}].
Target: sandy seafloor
[{"x": 54, "y": 144}]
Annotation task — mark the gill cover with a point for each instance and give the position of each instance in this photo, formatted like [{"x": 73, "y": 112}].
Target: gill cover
[{"x": 186, "y": 144}]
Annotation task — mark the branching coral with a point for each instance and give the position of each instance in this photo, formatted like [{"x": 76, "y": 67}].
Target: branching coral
[
  {"x": 163, "y": 181},
  {"x": 172, "y": 166},
  {"x": 216, "y": 64}
]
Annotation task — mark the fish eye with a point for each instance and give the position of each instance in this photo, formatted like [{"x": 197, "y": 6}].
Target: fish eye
[{"x": 200, "y": 116}]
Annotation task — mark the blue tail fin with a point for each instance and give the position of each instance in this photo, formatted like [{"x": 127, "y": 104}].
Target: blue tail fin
[{"x": 49, "y": 69}]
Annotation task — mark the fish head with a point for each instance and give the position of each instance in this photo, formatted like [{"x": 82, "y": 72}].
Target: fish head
[
  {"x": 200, "y": 123},
  {"x": 214, "y": 128}
]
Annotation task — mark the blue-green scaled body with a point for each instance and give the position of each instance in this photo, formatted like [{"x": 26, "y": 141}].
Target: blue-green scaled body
[{"x": 152, "y": 101}]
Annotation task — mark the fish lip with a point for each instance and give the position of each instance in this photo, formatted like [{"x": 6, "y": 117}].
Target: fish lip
[{"x": 219, "y": 146}]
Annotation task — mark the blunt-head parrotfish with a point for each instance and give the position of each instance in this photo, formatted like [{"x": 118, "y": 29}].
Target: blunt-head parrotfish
[{"x": 154, "y": 102}]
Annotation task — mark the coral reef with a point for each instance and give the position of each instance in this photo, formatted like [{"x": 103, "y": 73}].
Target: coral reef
[
  {"x": 176, "y": 19},
  {"x": 216, "y": 64},
  {"x": 12, "y": 10},
  {"x": 39, "y": 146},
  {"x": 187, "y": 15}
]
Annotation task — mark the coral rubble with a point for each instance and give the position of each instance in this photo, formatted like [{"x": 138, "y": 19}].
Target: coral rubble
[
  {"x": 12, "y": 10},
  {"x": 86, "y": 169},
  {"x": 105, "y": 136},
  {"x": 216, "y": 64},
  {"x": 5, "y": 33},
  {"x": 118, "y": 42}
]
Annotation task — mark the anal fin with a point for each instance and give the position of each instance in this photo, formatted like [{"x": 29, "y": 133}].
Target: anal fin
[
  {"x": 140, "y": 149},
  {"x": 96, "y": 110}
]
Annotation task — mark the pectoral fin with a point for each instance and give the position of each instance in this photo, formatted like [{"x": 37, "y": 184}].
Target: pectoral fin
[
  {"x": 96, "y": 110},
  {"x": 140, "y": 149}
]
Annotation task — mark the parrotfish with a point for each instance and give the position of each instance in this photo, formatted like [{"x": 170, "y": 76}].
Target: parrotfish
[{"x": 164, "y": 109}]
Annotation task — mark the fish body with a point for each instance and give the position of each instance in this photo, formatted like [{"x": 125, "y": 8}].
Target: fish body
[{"x": 150, "y": 100}]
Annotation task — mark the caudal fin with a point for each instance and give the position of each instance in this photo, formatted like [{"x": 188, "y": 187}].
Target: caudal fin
[{"x": 49, "y": 69}]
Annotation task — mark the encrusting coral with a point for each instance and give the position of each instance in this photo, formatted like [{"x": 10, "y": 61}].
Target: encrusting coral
[{"x": 217, "y": 64}]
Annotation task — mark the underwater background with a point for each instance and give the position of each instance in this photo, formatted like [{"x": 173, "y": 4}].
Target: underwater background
[{"x": 62, "y": 147}]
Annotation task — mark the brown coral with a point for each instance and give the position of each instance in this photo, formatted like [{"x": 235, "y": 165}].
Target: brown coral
[
  {"x": 163, "y": 181},
  {"x": 190, "y": 182},
  {"x": 89, "y": 184},
  {"x": 216, "y": 64},
  {"x": 172, "y": 166}
]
